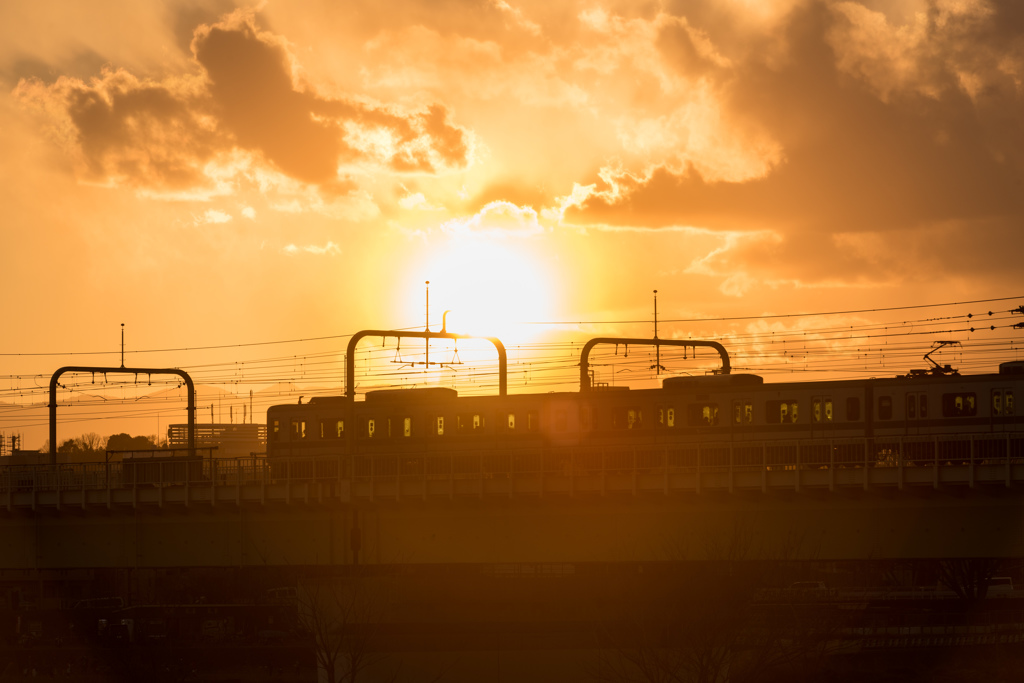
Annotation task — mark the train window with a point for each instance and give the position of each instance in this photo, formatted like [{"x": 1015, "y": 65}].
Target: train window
[
  {"x": 276, "y": 431},
  {"x": 332, "y": 429},
  {"x": 478, "y": 422},
  {"x": 742, "y": 412},
  {"x": 821, "y": 409},
  {"x": 634, "y": 418},
  {"x": 997, "y": 402},
  {"x": 959, "y": 405},
  {"x": 532, "y": 421},
  {"x": 1007, "y": 402},
  {"x": 885, "y": 407},
  {"x": 512, "y": 422},
  {"x": 371, "y": 427},
  {"x": 702, "y": 414},
  {"x": 911, "y": 406},
  {"x": 781, "y": 412},
  {"x": 440, "y": 425},
  {"x": 666, "y": 417},
  {"x": 298, "y": 429},
  {"x": 561, "y": 421},
  {"x": 406, "y": 426},
  {"x": 922, "y": 406},
  {"x": 852, "y": 409}
]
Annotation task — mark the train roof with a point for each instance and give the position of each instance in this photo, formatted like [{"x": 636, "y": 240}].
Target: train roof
[
  {"x": 415, "y": 394},
  {"x": 1013, "y": 367},
  {"x": 711, "y": 382}
]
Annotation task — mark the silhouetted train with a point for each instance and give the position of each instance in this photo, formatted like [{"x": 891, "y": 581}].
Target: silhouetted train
[{"x": 713, "y": 408}]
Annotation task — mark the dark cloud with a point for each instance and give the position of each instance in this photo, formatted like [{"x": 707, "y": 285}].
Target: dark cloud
[
  {"x": 882, "y": 175},
  {"x": 161, "y": 134},
  {"x": 186, "y": 17},
  {"x": 146, "y": 134},
  {"x": 676, "y": 44},
  {"x": 83, "y": 64},
  {"x": 852, "y": 161},
  {"x": 256, "y": 101}
]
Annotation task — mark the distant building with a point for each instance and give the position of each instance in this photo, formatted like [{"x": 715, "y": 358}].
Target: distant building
[{"x": 231, "y": 440}]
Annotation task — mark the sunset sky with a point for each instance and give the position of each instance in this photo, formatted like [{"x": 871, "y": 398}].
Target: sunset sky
[{"x": 216, "y": 174}]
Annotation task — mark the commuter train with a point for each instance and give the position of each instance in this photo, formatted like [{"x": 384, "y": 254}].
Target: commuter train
[{"x": 705, "y": 409}]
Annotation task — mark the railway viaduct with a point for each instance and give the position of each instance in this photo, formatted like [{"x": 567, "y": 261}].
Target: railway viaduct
[{"x": 236, "y": 514}]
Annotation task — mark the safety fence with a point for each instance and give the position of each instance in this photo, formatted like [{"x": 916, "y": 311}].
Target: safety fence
[{"x": 766, "y": 465}]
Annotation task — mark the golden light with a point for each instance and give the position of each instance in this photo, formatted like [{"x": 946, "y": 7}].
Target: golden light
[{"x": 489, "y": 286}]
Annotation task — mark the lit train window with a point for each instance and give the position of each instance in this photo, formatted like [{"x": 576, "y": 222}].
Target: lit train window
[
  {"x": 702, "y": 414},
  {"x": 781, "y": 412},
  {"x": 742, "y": 412},
  {"x": 634, "y": 419},
  {"x": 478, "y": 422},
  {"x": 371, "y": 427},
  {"x": 332, "y": 429},
  {"x": 821, "y": 409},
  {"x": 512, "y": 421},
  {"x": 298, "y": 429},
  {"x": 670, "y": 418},
  {"x": 960, "y": 405},
  {"x": 407, "y": 426},
  {"x": 440, "y": 426},
  {"x": 277, "y": 430}
]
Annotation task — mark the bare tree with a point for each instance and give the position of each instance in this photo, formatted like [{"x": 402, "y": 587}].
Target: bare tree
[
  {"x": 714, "y": 623},
  {"x": 968, "y": 578},
  {"x": 343, "y": 615}
]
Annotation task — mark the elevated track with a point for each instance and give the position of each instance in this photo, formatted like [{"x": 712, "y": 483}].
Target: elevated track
[{"x": 935, "y": 497}]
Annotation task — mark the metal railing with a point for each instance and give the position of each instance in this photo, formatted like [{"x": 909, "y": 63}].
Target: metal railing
[{"x": 947, "y": 460}]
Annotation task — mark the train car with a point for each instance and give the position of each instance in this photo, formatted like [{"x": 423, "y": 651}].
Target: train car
[{"x": 714, "y": 408}]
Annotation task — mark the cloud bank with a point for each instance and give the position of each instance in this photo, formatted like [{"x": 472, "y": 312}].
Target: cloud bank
[{"x": 247, "y": 105}]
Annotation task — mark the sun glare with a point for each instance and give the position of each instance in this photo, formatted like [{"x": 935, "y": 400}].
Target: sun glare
[{"x": 489, "y": 288}]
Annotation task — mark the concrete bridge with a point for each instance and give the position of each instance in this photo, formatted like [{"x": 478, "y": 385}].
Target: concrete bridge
[{"x": 540, "y": 509}]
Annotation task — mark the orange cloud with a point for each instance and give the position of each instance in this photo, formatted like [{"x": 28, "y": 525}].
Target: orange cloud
[
  {"x": 905, "y": 152},
  {"x": 248, "y": 96}
]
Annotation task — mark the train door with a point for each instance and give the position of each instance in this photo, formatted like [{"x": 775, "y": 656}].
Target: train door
[
  {"x": 822, "y": 415},
  {"x": 915, "y": 411},
  {"x": 563, "y": 422},
  {"x": 1002, "y": 409}
]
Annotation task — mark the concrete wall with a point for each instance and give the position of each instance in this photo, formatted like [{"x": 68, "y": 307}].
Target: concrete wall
[{"x": 869, "y": 525}]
